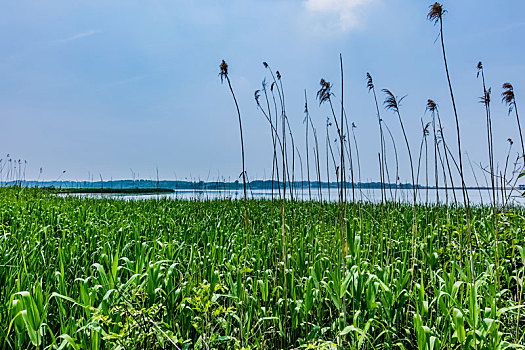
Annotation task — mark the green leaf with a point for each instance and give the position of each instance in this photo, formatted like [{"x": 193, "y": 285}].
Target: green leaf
[
  {"x": 349, "y": 329},
  {"x": 70, "y": 341},
  {"x": 34, "y": 336}
]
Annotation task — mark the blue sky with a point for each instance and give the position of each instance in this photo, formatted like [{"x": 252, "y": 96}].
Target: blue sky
[{"x": 102, "y": 87}]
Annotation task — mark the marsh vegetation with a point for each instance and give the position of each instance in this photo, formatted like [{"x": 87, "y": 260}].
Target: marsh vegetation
[{"x": 322, "y": 273}]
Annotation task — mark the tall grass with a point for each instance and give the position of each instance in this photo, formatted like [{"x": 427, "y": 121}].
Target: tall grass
[{"x": 103, "y": 273}]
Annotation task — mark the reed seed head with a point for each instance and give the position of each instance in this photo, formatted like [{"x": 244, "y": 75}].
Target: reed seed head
[
  {"x": 224, "y": 70},
  {"x": 324, "y": 92},
  {"x": 485, "y": 99},
  {"x": 480, "y": 68},
  {"x": 391, "y": 101},
  {"x": 432, "y": 106},
  {"x": 436, "y": 12},
  {"x": 369, "y": 82},
  {"x": 507, "y": 96}
]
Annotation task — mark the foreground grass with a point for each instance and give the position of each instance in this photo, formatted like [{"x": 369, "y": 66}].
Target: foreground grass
[{"x": 161, "y": 274}]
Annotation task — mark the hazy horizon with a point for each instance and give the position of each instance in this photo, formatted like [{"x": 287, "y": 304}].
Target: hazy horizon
[{"x": 113, "y": 88}]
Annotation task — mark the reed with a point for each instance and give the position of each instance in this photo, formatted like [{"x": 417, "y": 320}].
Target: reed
[
  {"x": 509, "y": 99},
  {"x": 371, "y": 87},
  {"x": 426, "y": 132},
  {"x": 224, "y": 76},
  {"x": 284, "y": 167},
  {"x": 307, "y": 122},
  {"x": 393, "y": 103},
  {"x": 435, "y": 15}
]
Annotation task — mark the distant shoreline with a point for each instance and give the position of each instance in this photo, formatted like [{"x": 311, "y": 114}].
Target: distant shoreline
[
  {"x": 169, "y": 186},
  {"x": 110, "y": 190}
]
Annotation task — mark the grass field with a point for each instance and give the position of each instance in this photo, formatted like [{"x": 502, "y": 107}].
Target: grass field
[{"x": 161, "y": 274}]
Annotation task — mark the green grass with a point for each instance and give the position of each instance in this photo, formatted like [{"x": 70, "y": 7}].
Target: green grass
[{"x": 112, "y": 274}]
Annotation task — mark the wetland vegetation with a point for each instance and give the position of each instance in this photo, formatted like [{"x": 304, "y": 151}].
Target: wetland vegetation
[
  {"x": 323, "y": 273},
  {"x": 107, "y": 273}
]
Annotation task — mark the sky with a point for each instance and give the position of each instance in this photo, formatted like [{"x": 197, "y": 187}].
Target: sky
[{"x": 122, "y": 88}]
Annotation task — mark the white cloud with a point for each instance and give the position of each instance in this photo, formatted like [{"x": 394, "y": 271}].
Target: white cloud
[
  {"x": 343, "y": 15},
  {"x": 78, "y": 36}
]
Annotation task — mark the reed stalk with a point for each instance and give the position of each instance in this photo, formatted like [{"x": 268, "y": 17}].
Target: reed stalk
[{"x": 436, "y": 15}]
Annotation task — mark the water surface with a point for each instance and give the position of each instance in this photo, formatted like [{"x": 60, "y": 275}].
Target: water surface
[{"x": 475, "y": 196}]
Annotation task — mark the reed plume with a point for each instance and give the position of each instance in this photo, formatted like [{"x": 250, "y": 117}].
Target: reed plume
[{"x": 509, "y": 99}]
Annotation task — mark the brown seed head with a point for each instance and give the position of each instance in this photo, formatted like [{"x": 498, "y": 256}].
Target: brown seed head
[
  {"x": 436, "y": 12},
  {"x": 224, "y": 70},
  {"x": 391, "y": 101},
  {"x": 507, "y": 96},
  {"x": 480, "y": 68},
  {"x": 324, "y": 92},
  {"x": 432, "y": 106},
  {"x": 369, "y": 82}
]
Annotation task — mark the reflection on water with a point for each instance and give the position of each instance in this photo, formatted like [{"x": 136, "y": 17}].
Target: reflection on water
[{"x": 475, "y": 196}]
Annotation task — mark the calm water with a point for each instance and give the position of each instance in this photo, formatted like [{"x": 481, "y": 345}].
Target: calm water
[{"x": 368, "y": 195}]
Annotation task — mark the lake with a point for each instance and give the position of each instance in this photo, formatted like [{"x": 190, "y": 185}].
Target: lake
[{"x": 476, "y": 196}]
